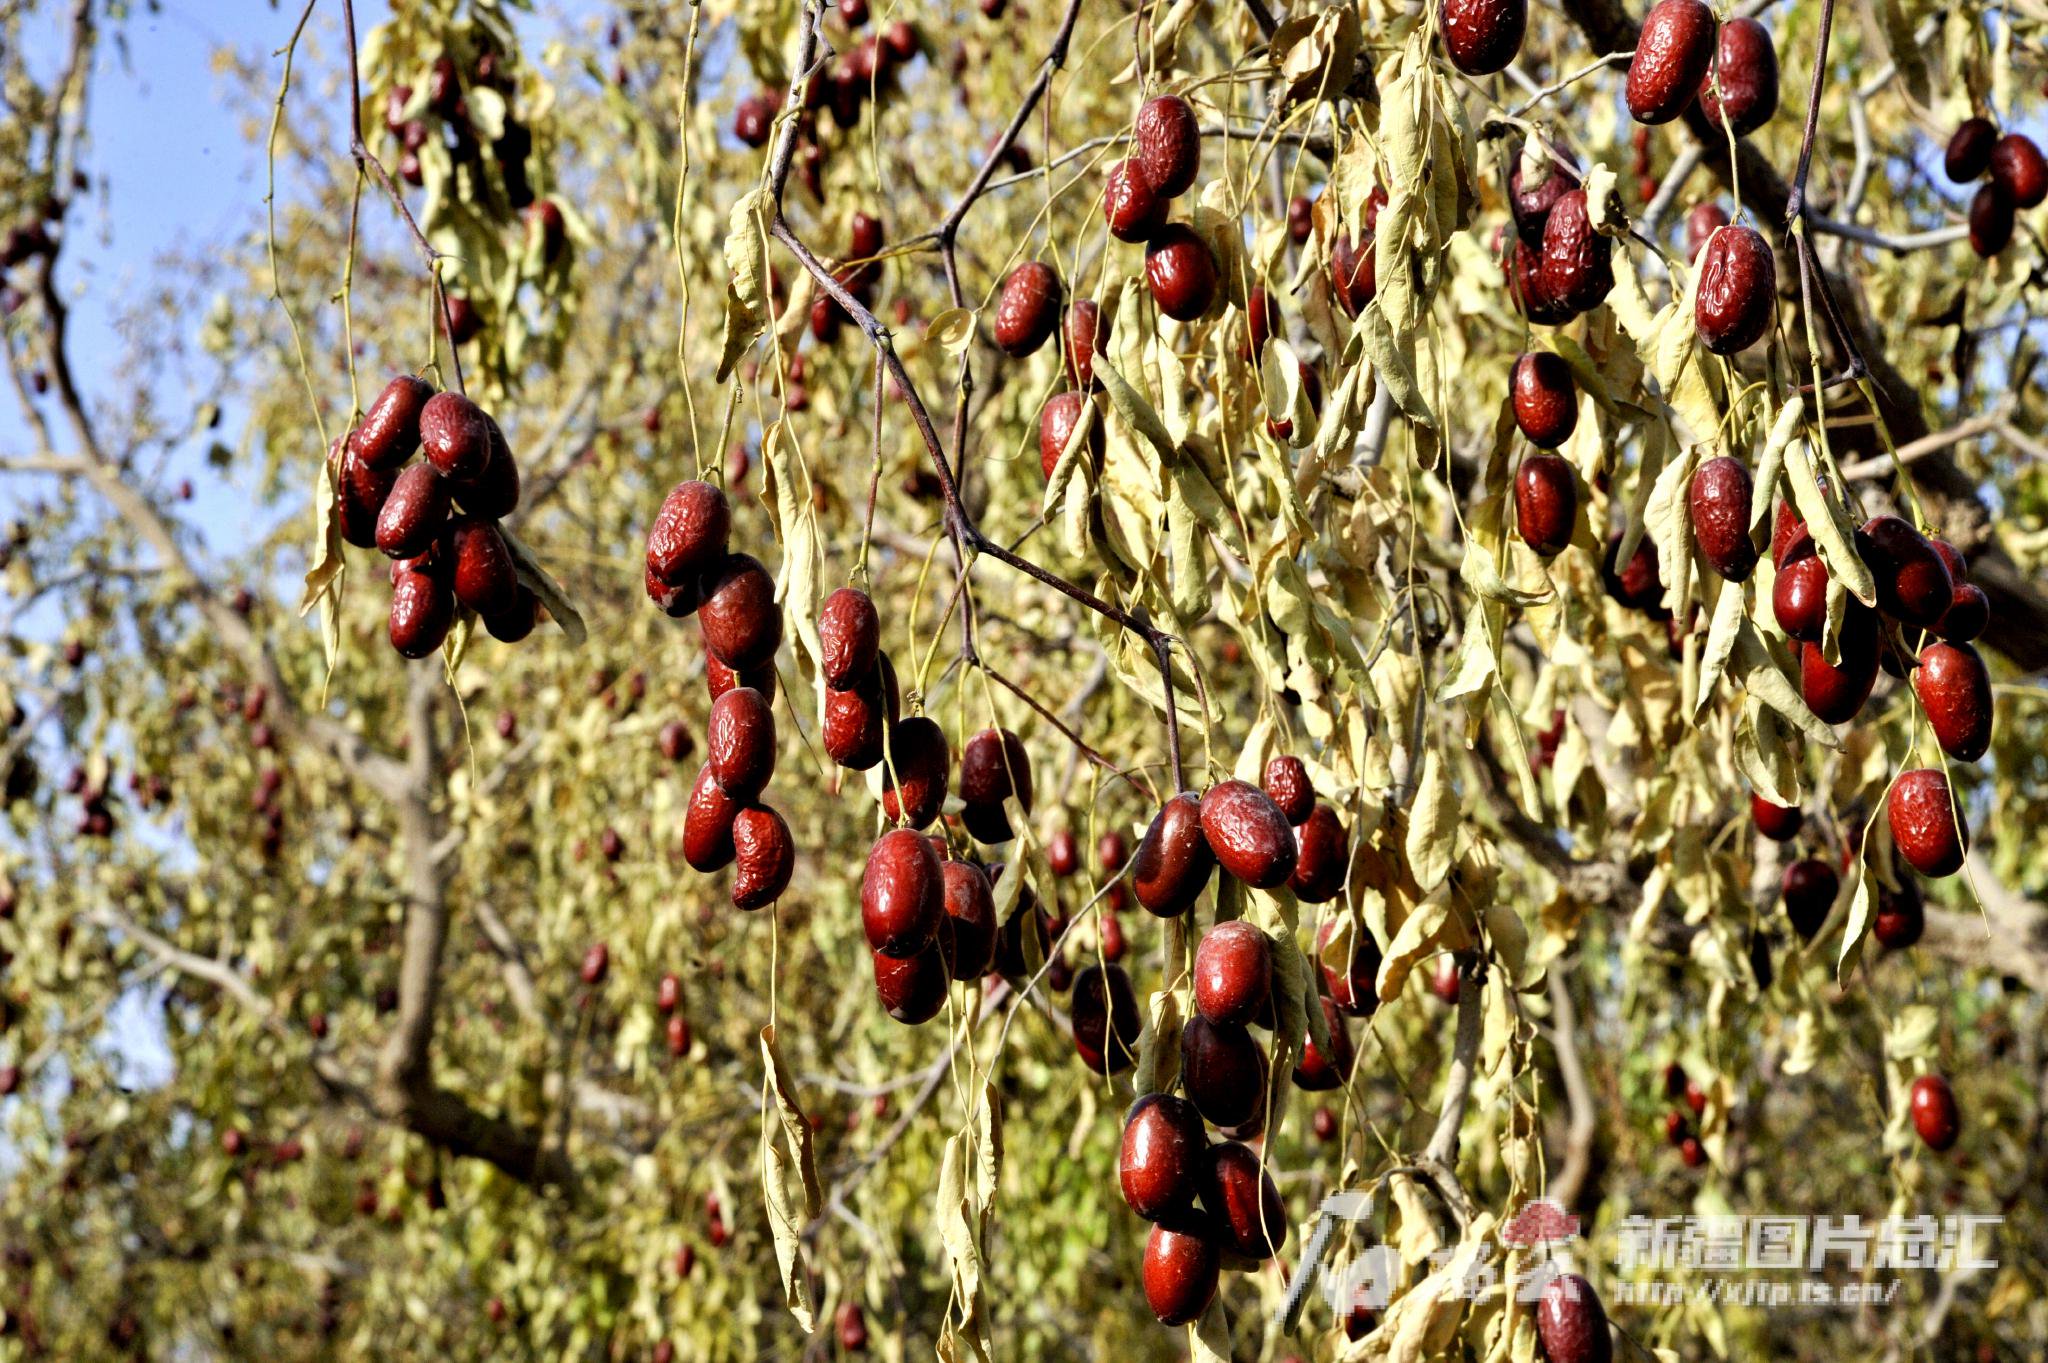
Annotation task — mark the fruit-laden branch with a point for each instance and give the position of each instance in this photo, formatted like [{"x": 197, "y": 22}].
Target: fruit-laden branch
[
  {"x": 2019, "y": 608},
  {"x": 966, "y": 535}
]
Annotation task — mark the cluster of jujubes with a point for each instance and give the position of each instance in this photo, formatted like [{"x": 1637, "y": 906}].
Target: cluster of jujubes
[
  {"x": 865, "y": 69},
  {"x": 437, "y": 520},
  {"x": 1214, "y": 1205},
  {"x": 1690, "y": 1104},
  {"x": 691, "y": 570},
  {"x": 858, "y": 275},
  {"x": 2015, "y": 176}
]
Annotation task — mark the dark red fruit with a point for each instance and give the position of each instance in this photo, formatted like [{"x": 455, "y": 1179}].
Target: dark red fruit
[
  {"x": 919, "y": 762},
  {"x": 1028, "y": 309},
  {"x": 1063, "y": 411},
  {"x": 1835, "y": 692},
  {"x": 493, "y": 494},
  {"x": 1955, "y": 688},
  {"x": 1105, "y": 1016},
  {"x": 740, "y": 743},
  {"x": 1063, "y": 853},
  {"x": 1969, "y": 611},
  {"x": 1809, "y": 892},
  {"x": 1322, "y": 857},
  {"x": 1775, "y": 822},
  {"x": 1571, "y": 1324},
  {"x": 1744, "y": 79},
  {"x": 390, "y": 432},
  {"x": 1233, "y": 973},
  {"x": 1901, "y": 917},
  {"x": 1174, "y": 859},
  {"x": 764, "y": 857},
  {"x": 857, "y": 719},
  {"x": 1673, "y": 52},
  {"x": 912, "y": 988},
  {"x": 454, "y": 436},
  {"x": 1546, "y": 503},
  {"x": 1261, "y": 320},
  {"x": 485, "y": 579},
  {"x": 1301, "y": 218},
  {"x": 2018, "y": 168},
  {"x": 1545, "y": 397},
  {"x": 1700, "y": 226},
  {"x": 853, "y": 1327},
  {"x": 1223, "y": 1071},
  {"x": 1250, "y": 837},
  {"x": 1721, "y": 493},
  {"x": 514, "y": 622},
  {"x": 1577, "y": 267},
  {"x": 668, "y": 994},
  {"x": 1969, "y": 150},
  {"x": 1353, "y": 983},
  {"x": 1161, "y": 1162},
  {"x": 414, "y": 512},
  {"x": 719, "y": 679},
  {"x": 1354, "y": 274},
  {"x": 970, "y": 904},
  {"x": 1286, "y": 781},
  {"x": 597, "y": 963},
  {"x": 707, "y": 825},
  {"x": 1131, "y": 203},
  {"x": 742, "y": 624},
  {"x": 1181, "y": 271},
  {"x": 1790, "y": 540},
  {"x": 1799, "y": 598},
  {"x": 1531, "y": 198},
  {"x": 1738, "y": 287},
  {"x": 1086, "y": 330},
  {"x": 1482, "y": 36},
  {"x": 993, "y": 767},
  {"x": 1243, "y": 1202},
  {"x": 850, "y": 634},
  {"x": 902, "y": 893},
  {"x": 1929, "y": 832},
  {"x": 1933, "y": 1104},
  {"x": 1181, "y": 1267},
  {"x": 1991, "y": 218},
  {"x": 689, "y": 535},
  {"x": 1692, "y": 1152},
  {"x": 1317, "y": 1072},
  {"x": 1167, "y": 142},
  {"x": 1913, "y": 584},
  {"x": 1110, "y": 851},
  {"x": 359, "y": 499},
  {"x": 422, "y": 608}
]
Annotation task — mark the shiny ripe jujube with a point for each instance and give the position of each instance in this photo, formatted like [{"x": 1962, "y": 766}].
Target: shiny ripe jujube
[
  {"x": 494, "y": 493},
  {"x": 1571, "y": 1324},
  {"x": 1174, "y": 860},
  {"x": 1285, "y": 780},
  {"x": 1131, "y": 204},
  {"x": 1719, "y": 502},
  {"x": 902, "y": 893},
  {"x": 1159, "y": 1165},
  {"x": 857, "y": 719},
  {"x": 1105, "y": 1018},
  {"x": 1969, "y": 611},
  {"x": 912, "y": 988},
  {"x": 1777, "y": 822},
  {"x": 390, "y": 432},
  {"x": 1028, "y": 309},
  {"x": 1700, "y": 226},
  {"x": 690, "y": 532},
  {"x": 2018, "y": 168},
  {"x": 1799, "y": 598},
  {"x": 742, "y": 624},
  {"x": 1243, "y": 1202},
  {"x": 1955, "y": 690},
  {"x": 1577, "y": 266},
  {"x": 413, "y": 513},
  {"x": 1546, "y": 399},
  {"x": 1546, "y": 503},
  {"x": 1181, "y": 272},
  {"x": 1738, "y": 291},
  {"x": 1063, "y": 411},
  {"x": 1901, "y": 917},
  {"x": 707, "y": 825},
  {"x": 739, "y": 741},
  {"x": 1223, "y": 1071},
  {"x": 1969, "y": 150},
  {"x": 1673, "y": 52},
  {"x": 918, "y": 772},
  {"x": 993, "y": 767},
  {"x": 1531, "y": 198},
  {"x": 1322, "y": 857},
  {"x": 1352, "y": 979},
  {"x": 1809, "y": 889},
  {"x": 484, "y": 577},
  {"x": 1233, "y": 972},
  {"x": 1316, "y": 1071},
  {"x": 361, "y": 492},
  {"x": 1482, "y": 36},
  {"x": 1250, "y": 837},
  {"x": 1836, "y": 692},
  {"x": 1991, "y": 218},
  {"x": 764, "y": 857},
  {"x": 970, "y": 904},
  {"x": 1927, "y": 831},
  {"x": 1085, "y": 332},
  {"x": 1933, "y": 1106},
  {"x": 1167, "y": 142},
  {"x": 422, "y": 609},
  {"x": 1181, "y": 1266},
  {"x": 1913, "y": 583},
  {"x": 1745, "y": 69},
  {"x": 454, "y": 436},
  {"x": 849, "y": 635}
]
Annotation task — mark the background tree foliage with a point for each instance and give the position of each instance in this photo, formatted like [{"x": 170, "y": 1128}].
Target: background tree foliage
[{"x": 353, "y": 895}]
